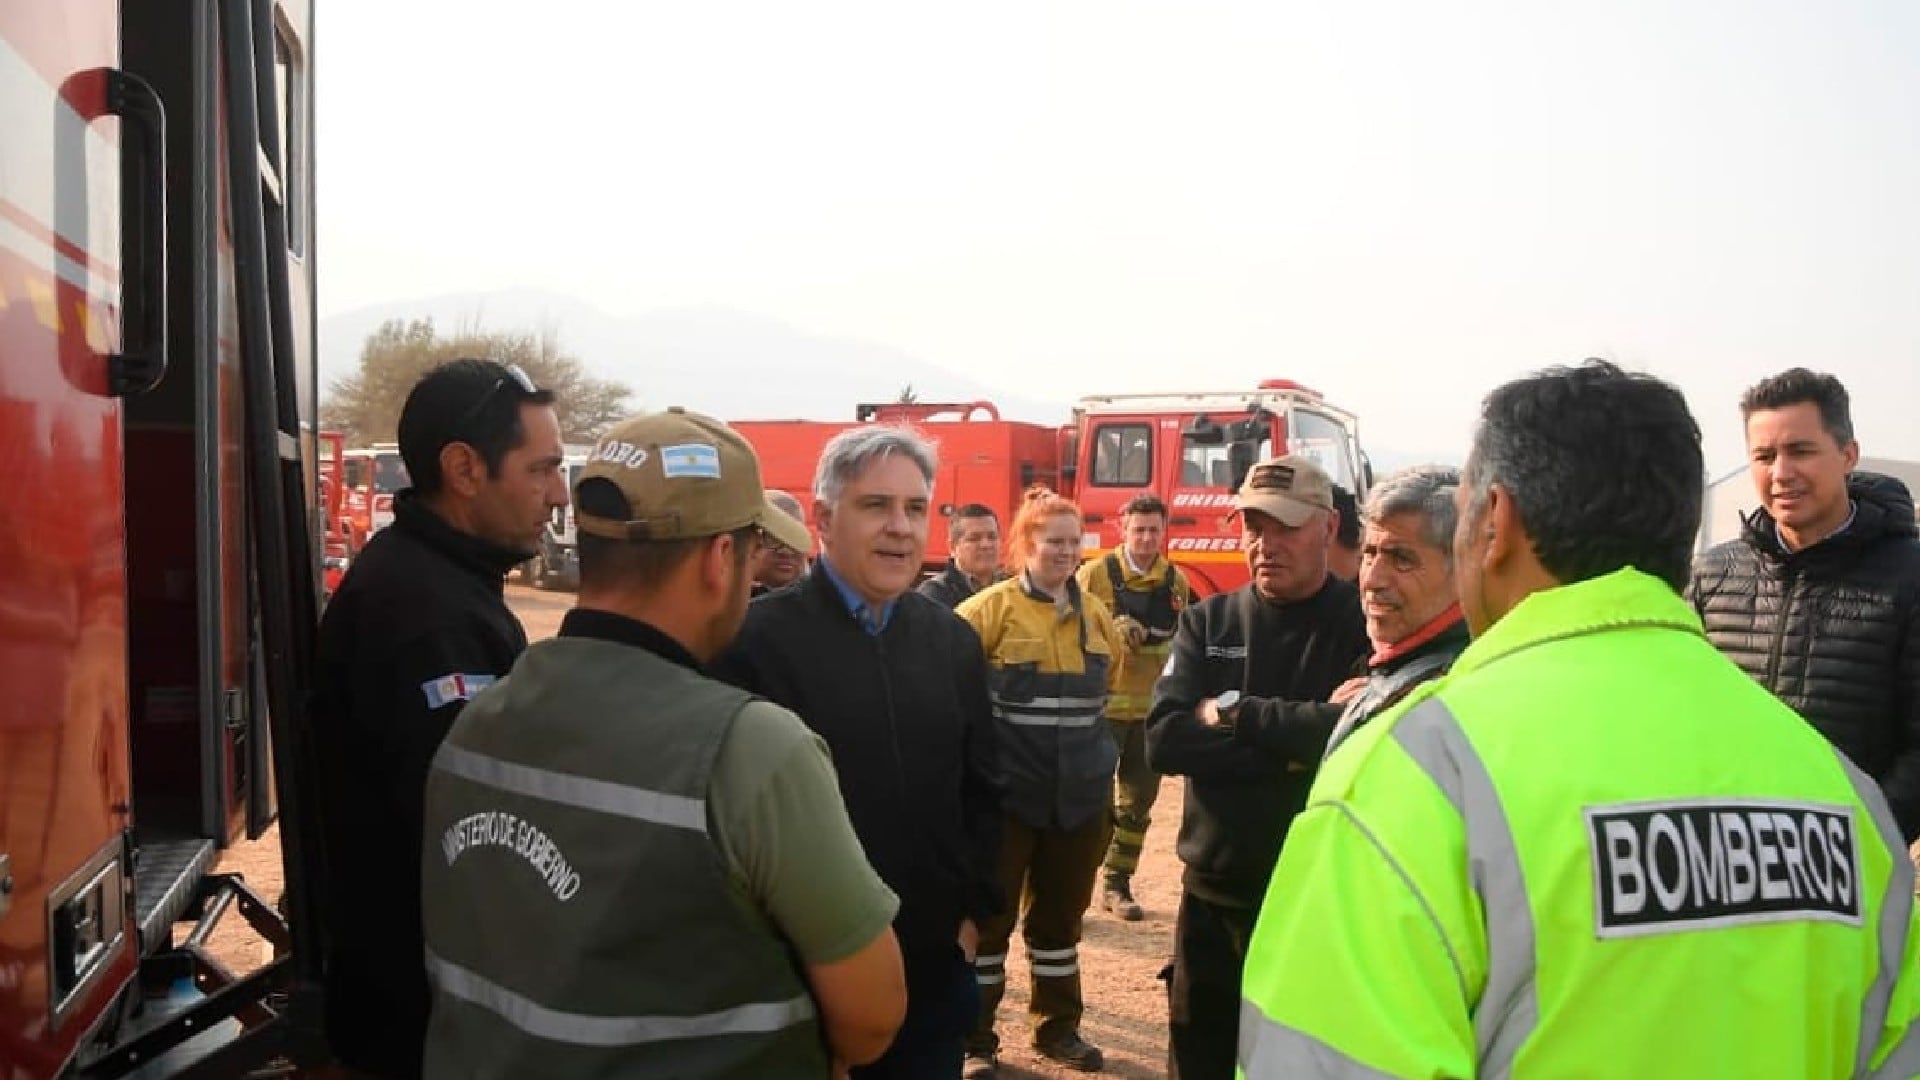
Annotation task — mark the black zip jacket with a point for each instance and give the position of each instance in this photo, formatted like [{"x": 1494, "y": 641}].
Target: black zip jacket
[
  {"x": 907, "y": 717},
  {"x": 1245, "y": 782},
  {"x": 949, "y": 587},
  {"x": 1389, "y": 682},
  {"x": 1833, "y": 630},
  {"x": 420, "y": 624}
]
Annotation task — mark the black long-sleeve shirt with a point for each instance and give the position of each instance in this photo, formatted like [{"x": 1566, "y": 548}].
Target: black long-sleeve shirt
[
  {"x": 419, "y": 625},
  {"x": 906, "y": 714},
  {"x": 1247, "y": 780}
]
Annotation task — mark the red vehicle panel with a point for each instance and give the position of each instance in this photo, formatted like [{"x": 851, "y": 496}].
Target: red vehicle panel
[
  {"x": 133, "y": 686},
  {"x": 64, "y": 779}
]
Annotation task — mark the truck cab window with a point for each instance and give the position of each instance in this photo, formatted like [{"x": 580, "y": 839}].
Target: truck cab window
[
  {"x": 1324, "y": 439},
  {"x": 1206, "y": 465},
  {"x": 1123, "y": 455},
  {"x": 389, "y": 474}
]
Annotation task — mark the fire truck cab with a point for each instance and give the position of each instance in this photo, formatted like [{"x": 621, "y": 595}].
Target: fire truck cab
[
  {"x": 1193, "y": 450},
  {"x": 374, "y": 475}
]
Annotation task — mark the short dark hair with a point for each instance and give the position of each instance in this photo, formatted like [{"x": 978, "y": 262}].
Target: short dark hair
[
  {"x": 969, "y": 512},
  {"x": 467, "y": 400},
  {"x": 609, "y": 563},
  {"x": 1144, "y": 503},
  {"x": 1604, "y": 468},
  {"x": 1797, "y": 385},
  {"x": 1348, "y": 533}
]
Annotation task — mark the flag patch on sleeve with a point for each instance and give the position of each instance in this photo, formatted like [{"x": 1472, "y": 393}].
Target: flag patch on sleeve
[{"x": 458, "y": 686}]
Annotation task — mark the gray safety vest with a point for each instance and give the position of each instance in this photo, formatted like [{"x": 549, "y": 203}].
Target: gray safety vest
[{"x": 580, "y": 920}]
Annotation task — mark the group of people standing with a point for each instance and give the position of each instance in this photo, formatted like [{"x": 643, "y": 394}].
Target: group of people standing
[{"x": 1490, "y": 802}]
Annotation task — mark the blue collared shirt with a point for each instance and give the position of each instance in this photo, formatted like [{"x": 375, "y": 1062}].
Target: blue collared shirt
[{"x": 857, "y": 604}]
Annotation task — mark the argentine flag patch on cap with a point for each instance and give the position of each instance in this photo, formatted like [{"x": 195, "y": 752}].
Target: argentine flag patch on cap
[{"x": 690, "y": 460}]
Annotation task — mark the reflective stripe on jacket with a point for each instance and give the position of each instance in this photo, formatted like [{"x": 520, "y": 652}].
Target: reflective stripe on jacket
[
  {"x": 1547, "y": 864},
  {"x": 1051, "y": 666}
]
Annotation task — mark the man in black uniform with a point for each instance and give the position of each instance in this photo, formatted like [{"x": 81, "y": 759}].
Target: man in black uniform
[
  {"x": 897, "y": 686},
  {"x": 1241, "y": 711},
  {"x": 419, "y": 625}
]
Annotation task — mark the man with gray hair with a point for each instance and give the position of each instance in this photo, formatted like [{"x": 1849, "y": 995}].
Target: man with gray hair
[
  {"x": 897, "y": 686},
  {"x": 1407, "y": 592}
]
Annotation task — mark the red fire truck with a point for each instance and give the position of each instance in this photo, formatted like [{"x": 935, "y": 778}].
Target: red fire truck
[
  {"x": 156, "y": 618},
  {"x": 336, "y": 548},
  {"x": 374, "y": 475},
  {"x": 1191, "y": 449}
]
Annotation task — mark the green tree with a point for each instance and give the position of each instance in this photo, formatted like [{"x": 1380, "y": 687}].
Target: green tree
[{"x": 366, "y": 404}]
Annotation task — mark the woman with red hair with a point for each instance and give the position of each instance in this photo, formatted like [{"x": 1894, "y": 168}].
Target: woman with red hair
[{"x": 1053, "y": 654}]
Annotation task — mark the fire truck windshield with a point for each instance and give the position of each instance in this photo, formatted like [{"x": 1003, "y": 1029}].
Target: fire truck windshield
[{"x": 389, "y": 474}]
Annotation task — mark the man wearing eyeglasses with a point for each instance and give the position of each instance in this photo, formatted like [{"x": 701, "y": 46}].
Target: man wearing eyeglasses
[
  {"x": 419, "y": 625},
  {"x": 781, "y": 565}
]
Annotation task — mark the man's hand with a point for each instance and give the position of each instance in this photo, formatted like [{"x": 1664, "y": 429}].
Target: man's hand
[
  {"x": 1131, "y": 631},
  {"x": 1218, "y": 711},
  {"x": 969, "y": 939},
  {"x": 1348, "y": 690}
]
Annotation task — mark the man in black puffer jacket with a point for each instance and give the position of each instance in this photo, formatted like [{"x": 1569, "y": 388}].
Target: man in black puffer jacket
[{"x": 1819, "y": 599}]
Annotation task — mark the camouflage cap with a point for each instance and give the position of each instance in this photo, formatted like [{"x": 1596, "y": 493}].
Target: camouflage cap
[
  {"x": 685, "y": 477},
  {"x": 1289, "y": 489}
]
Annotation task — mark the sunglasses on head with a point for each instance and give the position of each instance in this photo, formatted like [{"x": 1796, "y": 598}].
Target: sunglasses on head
[{"x": 515, "y": 375}]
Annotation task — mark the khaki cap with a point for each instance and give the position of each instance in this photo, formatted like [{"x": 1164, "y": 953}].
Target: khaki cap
[
  {"x": 685, "y": 477},
  {"x": 1288, "y": 489}
]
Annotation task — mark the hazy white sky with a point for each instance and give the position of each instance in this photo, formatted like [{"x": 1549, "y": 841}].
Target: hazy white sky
[{"x": 1402, "y": 204}]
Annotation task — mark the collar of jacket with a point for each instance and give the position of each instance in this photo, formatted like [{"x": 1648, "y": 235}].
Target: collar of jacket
[
  {"x": 964, "y": 580},
  {"x": 1146, "y": 580},
  {"x": 1448, "y": 627},
  {"x": 1070, "y": 606},
  {"x": 603, "y": 625},
  {"x": 1882, "y": 509},
  {"x": 481, "y": 558},
  {"x": 1624, "y": 599}
]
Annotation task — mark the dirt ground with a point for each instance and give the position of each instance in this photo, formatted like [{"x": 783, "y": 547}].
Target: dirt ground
[{"x": 1119, "y": 962}]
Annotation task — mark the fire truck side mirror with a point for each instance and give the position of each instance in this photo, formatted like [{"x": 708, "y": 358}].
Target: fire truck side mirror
[{"x": 1203, "y": 431}]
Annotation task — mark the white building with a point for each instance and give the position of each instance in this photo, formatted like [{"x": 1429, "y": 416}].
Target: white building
[{"x": 1732, "y": 496}]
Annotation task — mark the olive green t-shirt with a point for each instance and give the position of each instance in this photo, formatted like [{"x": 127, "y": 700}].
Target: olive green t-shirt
[{"x": 774, "y": 805}]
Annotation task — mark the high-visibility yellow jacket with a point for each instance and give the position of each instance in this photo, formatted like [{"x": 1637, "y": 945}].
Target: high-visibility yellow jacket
[
  {"x": 1050, "y": 665},
  {"x": 1595, "y": 848},
  {"x": 1153, "y": 599}
]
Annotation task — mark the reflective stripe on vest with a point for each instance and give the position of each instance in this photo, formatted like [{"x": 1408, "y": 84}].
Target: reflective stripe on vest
[
  {"x": 580, "y": 1029},
  {"x": 1270, "y": 1050},
  {"x": 583, "y": 792},
  {"x": 1506, "y": 1013}
]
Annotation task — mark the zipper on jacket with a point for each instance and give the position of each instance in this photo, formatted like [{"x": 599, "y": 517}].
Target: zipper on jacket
[
  {"x": 893, "y": 720},
  {"x": 1780, "y": 634}
]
